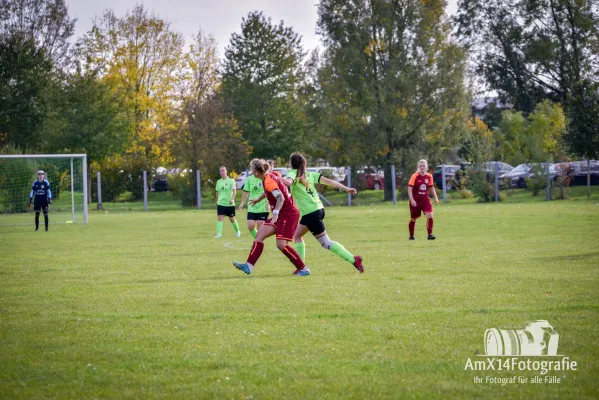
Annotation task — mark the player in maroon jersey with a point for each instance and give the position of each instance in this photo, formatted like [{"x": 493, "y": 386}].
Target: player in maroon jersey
[
  {"x": 419, "y": 187},
  {"x": 285, "y": 217}
]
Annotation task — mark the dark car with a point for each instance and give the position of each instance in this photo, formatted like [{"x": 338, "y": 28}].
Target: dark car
[
  {"x": 517, "y": 177},
  {"x": 450, "y": 171},
  {"x": 160, "y": 184},
  {"x": 577, "y": 172}
]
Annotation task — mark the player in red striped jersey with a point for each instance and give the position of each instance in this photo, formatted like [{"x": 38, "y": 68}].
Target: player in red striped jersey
[
  {"x": 419, "y": 187},
  {"x": 285, "y": 217}
]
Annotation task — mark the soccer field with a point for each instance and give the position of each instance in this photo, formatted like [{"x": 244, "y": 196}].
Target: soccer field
[{"x": 148, "y": 305}]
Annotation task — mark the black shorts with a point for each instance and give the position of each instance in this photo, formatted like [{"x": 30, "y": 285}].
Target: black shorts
[
  {"x": 257, "y": 216},
  {"x": 40, "y": 204},
  {"x": 227, "y": 211},
  {"x": 314, "y": 221}
]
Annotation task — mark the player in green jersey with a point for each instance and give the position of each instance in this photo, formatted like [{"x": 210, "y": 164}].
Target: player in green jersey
[
  {"x": 257, "y": 213},
  {"x": 225, "y": 202},
  {"x": 302, "y": 184}
]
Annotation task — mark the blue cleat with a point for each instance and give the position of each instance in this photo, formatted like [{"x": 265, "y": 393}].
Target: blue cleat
[
  {"x": 303, "y": 272},
  {"x": 244, "y": 267}
]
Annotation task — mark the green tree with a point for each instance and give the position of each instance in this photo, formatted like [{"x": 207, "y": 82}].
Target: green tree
[
  {"x": 536, "y": 138},
  {"x": 583, "y": 129},
  {"x": 531, "y": 50},
  {"x": 86, "y": 116},
  {"x": 25, "y": 75},
  {"x": 393, "y": 81},
  {"x": 45, "y": 22},
  {"x": 262, "y": 73},
  {"x": 139, "y": 57}
]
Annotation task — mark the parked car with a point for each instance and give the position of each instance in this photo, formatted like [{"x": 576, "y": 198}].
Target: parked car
[
  {"x": 450, "y": 171},
  {"x": 489, "y": 167},
  {"x": 282, "y": 171},
  {"x": 334, "y": 173},
  {"x": 516, "y": 178},
  {"x": 240, "y": 181},
  {"x": 160, "y": 184},
  {"x": 577, "y": 172}
]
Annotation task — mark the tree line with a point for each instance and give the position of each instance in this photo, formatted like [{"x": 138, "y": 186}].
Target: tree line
[{"x": 393, "y": 82}]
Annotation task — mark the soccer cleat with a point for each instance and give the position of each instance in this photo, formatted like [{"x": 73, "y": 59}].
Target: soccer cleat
[
  {"x": 411, "y": 238},
  {"x": 358, "y": 264},
  {"x": 238, "y": 233},
  {"x": 218, "y": 235},
  {"x": 431, "y": 237},
  {"x": 303, "y": 272},
  {"x": 243, "y": 267}
]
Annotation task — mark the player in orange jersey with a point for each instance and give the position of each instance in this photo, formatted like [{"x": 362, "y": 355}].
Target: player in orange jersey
[{"x": 419, "y": 188}]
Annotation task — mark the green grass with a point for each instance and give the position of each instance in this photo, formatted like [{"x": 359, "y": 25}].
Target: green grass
[{"x": 148, "y": 305}]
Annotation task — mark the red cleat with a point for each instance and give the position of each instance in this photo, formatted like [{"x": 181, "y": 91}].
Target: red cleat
[{"x": 358, "y": 264}]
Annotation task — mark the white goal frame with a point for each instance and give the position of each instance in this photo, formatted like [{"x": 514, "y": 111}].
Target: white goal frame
[{"x": 71, "y": 156}]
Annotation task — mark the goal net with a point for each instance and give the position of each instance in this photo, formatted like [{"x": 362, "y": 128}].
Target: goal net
[{"x": 65, "y": 174}]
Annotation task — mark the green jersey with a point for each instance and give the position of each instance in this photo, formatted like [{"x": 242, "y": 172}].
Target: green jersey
[
  {"x": 224, "y": 188},
  {"x": 255, "y": 188},
  {"x": 306, "y": 198}
]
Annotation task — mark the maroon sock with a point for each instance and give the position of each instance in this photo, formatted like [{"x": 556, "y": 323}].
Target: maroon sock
[
  {"x": 429, "y": 226},
  {"x": 293, "y": 257},
  {"x": 411, "y": 227},
  {"x": 255, "y": 253}
]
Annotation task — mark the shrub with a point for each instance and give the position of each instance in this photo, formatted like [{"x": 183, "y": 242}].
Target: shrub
[
  {"x": 125, "y": 197},
  {"x": 182, "y": 188},
  {"x": 465, "y": 194}
]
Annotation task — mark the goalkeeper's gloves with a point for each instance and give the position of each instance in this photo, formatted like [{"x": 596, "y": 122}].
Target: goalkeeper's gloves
[
  {"x": 29, "y": 204},
  {"x": 49, "y": 201}
]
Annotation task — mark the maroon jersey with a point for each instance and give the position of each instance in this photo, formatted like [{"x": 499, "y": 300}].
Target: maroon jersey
[
  {"x": 420, "y": 185},
  {"x": 273, "y": 182}
]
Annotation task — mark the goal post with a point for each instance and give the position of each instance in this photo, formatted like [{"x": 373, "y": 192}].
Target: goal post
[{"x": 67, "y": 175}]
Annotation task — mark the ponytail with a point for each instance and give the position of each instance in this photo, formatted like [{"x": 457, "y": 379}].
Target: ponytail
[
  {"x": 259, "y": 165},
  {"x": 299, "y": 162}
]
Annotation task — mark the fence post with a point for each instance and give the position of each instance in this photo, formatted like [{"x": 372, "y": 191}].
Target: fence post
[
  {"x": 589, "y": 178},
  {"x": 444, "y": 183},
  {"x": 145, "y": 177},
  {"x": 86, "y": 187},
  {"x": 548, "y": 190},
  {"x": 349, "y": 185},
  {"x": 496, "y": 182},
  {"x": 99, "y": 178},
  {"x": 198, "y": 189},
  {"x": 393, "y": 184},
  {"x": 72, "y": 194}
]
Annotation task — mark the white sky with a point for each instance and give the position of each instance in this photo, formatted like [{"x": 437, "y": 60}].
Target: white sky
[{"x": 220, "y": 19}]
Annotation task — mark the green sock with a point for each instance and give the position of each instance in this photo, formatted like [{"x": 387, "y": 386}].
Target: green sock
[
  {"x": 219, "y": 228},
  {"x": 300, "y": 247},
  {"x": 253, "y": 232},
  {"x": 236, "y": 226},
  {"x": 342, "y": 252}
]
